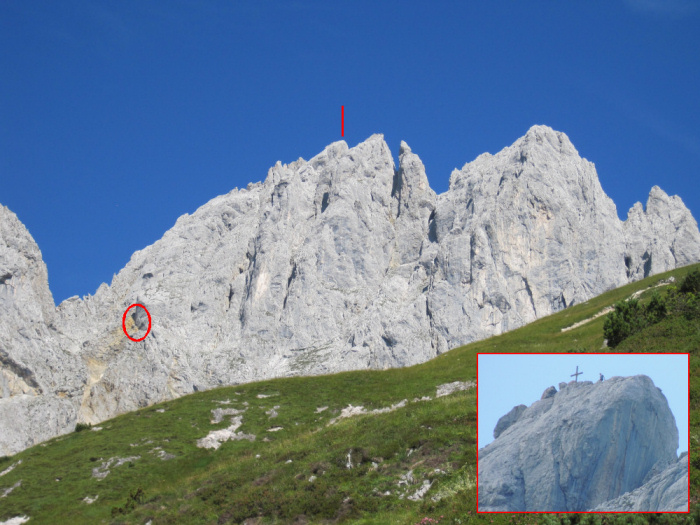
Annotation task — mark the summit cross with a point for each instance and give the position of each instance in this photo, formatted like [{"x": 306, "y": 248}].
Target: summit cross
[{"x": 576, "y": 374}]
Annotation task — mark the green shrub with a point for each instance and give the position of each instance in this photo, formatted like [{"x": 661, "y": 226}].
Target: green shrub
[
  {"x": 691, "y": 306},
  {"x": 625, "y": 320},
  {"x": 691, "y": 283},
  {"x": 82, "y": 426},
  {"x": 655, "y": 311},
  {"x": 629, "y": 317},
  {"x": 135, "y": 498},
  {"x": 685, "y": 299}
]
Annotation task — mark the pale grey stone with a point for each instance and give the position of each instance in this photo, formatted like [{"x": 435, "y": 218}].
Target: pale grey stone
[
  {"x": 549, "y": 392},
  {"x": 216, "y": 437},
  {"x": 217, "y": 414},
  {"x": 507, "y": 420},
  {"x": 342, "y": 262},
  {"x": 661, "y": 237},
  {"x": 17, "y": 520},
  {"x": 28, "y": 420},
  {"x": 103, "y": 471},
  {"x": 162, "y": 454},
  {"x": 666, "y": 490},
  {"x": 10, "y": 468},
  {"x": 418, "y": 495},
  {"x": 6, "y": 492},
  {"x": 40, "y": 379},
  {"x": 586, "y": 445},
  {"x": 455, "y": 386}
]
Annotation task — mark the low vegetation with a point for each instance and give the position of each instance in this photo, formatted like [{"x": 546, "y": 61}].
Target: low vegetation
[
  {"x": 82, "y": 426},
  {"x": 630, "y": 316},
  {"x": 145, "y": 466}
]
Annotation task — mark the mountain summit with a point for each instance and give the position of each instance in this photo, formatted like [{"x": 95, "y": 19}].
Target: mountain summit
[
  {"x": 341, "y": 262},
  {"x": 608, "y": 446}
]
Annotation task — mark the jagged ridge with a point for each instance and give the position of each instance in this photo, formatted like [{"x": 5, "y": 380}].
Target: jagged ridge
[{"x": 340, "y": 262}]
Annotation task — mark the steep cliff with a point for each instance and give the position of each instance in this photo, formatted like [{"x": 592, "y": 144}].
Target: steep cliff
[
  {"x": 40, "y": 381},
  {"x": 584, "y": 447},
  {"x": 337, "y": 263},
  {"x": 665, "y": 487}
]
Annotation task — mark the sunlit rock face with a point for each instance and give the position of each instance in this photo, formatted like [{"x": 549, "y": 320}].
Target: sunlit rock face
[
  {"x": 341, "y": 262},
  {"x": 606, "y": 446},
  {"x": 664, "y": 235},
  {"x": 40, "y": 381}
]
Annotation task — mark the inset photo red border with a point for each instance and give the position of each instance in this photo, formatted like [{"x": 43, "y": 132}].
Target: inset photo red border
[{"x": 583, "y": 433}]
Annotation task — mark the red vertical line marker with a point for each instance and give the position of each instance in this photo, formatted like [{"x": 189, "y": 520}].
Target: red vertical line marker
[{"x": 342, "y": 121}]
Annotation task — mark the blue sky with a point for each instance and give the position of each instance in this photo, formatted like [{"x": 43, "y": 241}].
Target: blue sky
[
  {"x": 508, "y": 380},
  {"x": 117, "y": 117}
]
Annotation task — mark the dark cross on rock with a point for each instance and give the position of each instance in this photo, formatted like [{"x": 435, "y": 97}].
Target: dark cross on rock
[{"x": 576, "y": 374}]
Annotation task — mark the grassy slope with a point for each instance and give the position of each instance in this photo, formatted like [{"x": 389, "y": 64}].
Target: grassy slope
[{"x": 232, "y": 484}]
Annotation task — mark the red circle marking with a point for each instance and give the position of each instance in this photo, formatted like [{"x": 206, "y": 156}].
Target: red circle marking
[{"x": 124, "y": 323}]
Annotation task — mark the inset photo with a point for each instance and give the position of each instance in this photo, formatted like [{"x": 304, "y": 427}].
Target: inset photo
[{"x": 582, "y": 432}]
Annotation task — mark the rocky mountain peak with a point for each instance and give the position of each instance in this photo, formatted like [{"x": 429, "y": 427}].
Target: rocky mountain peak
[
  {"x": 581, "y": 447},
  {"x": 411, "y": 180},
  {"x": 664, "y": 206},
  {"x": 663, "y": 234},
  {"x": 541, "y": 137},
  {"x": 24, "y": 286},
  {"x": 540, "y": 162}
]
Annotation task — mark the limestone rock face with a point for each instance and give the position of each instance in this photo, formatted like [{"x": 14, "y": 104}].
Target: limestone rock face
[
  {"x": 585, "y": 446},
  {"x": 662, "y": 237},
  {"x": 40, "y": 382},
  {"x": 666, "y": 487},
  {"x": 507, "y": 420},
  {"x": 521, "y": 235},
  {"x": 337, "y": 263}
]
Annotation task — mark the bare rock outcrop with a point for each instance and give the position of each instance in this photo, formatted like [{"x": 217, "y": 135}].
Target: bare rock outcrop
[
  {"x": 584, "y": 448},
  {"x": 662, "y": 236},
  {"x": 507, "y": 420},
  {"x": 341, "y": 262},
  {"x": 666, "y": 487},
  {"x": 40, "y": 382},
  {"x": 514, "y": 238}
]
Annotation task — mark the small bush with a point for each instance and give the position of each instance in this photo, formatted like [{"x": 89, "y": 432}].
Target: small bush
[
  {"x": 691, "y": 306},
  {"x": 135, "y": 498},
  {"x": 691, "y": 283},
  {"x": 629, "y": 317},
  {"x": 655, "y": 311},
  {"x": 82, "y": 426},
  {"x": 625, "y": 320}
]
